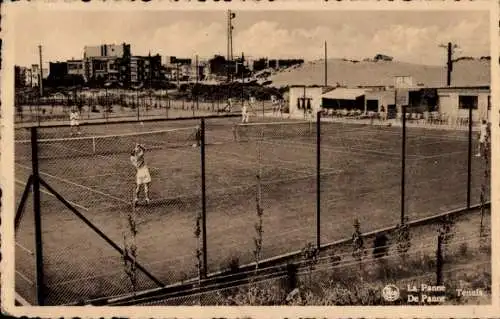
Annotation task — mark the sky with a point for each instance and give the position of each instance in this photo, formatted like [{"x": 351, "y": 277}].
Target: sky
[{"x": 409, "y": 36}]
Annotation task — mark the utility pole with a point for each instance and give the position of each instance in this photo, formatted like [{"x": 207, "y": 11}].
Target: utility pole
[
  {"x": 242, "y": 79},
  {"x": 326, "y": 65},
  {"x": 227, "y": 44},
  {"x": 40, "y": 84},
  {"x": 150, "y": 79},
  {"x": 150, "y": 70},
  {"x": 197, "y": 72},
  {"x": 230, "y": 16},
  {"x": 450, "y": 49}
]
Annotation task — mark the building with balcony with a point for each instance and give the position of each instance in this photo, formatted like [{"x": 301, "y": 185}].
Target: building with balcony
[{"x": 145, "y": 70}]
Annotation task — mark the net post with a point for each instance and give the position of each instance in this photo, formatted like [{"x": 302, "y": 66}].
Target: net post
[
  {"x": 318, "y": 180},
  {"x": 40, "y": 288},
  {"x": 403, "y": 163},
  {"x": 469, "y": 159},
  {"x": 203, "y": 199}
]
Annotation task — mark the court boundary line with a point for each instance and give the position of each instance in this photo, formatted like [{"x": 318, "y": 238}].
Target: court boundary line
[
  {"x": 24, "y": 248},
  {"x": 21, "y": 300},
  {"x": 76, "y": 184},
  {"x": 313, "y": 145},
  {"x": 25, "y": 277}
]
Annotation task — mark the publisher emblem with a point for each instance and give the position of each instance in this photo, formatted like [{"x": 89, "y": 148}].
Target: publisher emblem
[{"x": 390, "y": 293}]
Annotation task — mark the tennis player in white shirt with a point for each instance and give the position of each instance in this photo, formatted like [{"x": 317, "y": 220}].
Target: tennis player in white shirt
[
  {"x": 483, "y": 136},
  {"x": 74, "y": 121}
]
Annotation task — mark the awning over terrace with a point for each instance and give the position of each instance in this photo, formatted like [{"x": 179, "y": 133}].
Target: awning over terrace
[
  {"x": 343, "y": 94},
  {"x": 342, "y": 98}
]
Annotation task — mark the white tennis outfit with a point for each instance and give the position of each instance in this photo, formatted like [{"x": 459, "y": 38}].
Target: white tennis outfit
[
  {"x": 483, "y": 133},
  {"x": 244, "y": 114},
  {"x": 74, "y": 118},
  {"x": 142, "y": 176}
]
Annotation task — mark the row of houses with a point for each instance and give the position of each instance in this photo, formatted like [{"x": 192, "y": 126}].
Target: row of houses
[{"x": 454, "y": 102}]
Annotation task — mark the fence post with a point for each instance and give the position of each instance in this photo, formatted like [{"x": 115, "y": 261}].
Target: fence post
[
  {"x": 469, "y": 159},
  {"x": 439, "y": 261},
  {"x": 318, "y": 180},
  {"x": 263, "y": 113},
  {"x": 40, "y": 288},
  {"x": 403, "y": 163},
  {"x": 137, "y": 107},
  {"x": 167, "y": 103},
  {"x": 203, "y": 200}
]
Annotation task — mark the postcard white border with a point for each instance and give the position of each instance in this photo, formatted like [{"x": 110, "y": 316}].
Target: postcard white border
[{"x": 7, "y": 163}]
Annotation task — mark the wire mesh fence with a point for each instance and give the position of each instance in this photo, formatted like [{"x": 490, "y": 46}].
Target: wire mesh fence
[
  {"x": 341, "y": 279},
  {"x": 222, "y": 193},
  {"x": 110, "y": 105}
]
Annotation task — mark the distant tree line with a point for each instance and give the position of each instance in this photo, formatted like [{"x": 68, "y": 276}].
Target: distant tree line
[{"x": 223, "y": 91}]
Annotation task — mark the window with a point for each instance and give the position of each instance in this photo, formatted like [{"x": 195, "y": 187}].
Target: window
[
  {"x": 467, "y": 101},
  {"x": 100, "y": 66},
  {"x": 303, "y": 103}
]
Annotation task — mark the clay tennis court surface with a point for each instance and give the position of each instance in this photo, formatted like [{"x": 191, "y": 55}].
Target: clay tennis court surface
[{"x": 360, "y": 178}]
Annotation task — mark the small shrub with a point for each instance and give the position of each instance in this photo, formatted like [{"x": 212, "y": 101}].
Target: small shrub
[
  {"x": 255, "y": 296},
  {"x": 357, "y": 242},
  {"x": 447, "y": 231},
  {"x": 403, "y": 240},
  {"x": 310, "y": 256}
]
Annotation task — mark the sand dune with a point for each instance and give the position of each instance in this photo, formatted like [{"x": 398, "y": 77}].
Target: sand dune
[{"x": 465, "y": 73}]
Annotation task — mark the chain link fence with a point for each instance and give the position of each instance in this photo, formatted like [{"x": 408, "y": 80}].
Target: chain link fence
[
  {"x": 111, "y": 105},
  {"x": 339, "y": 278},
  {"x": 223, "y": 194}
]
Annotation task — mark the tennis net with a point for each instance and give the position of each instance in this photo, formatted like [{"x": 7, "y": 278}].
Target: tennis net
[
  {"x": 107, "y": 144},
  {"x": 274, "y": 130}
]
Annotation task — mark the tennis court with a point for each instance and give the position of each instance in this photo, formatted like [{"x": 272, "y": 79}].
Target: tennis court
[{"x": 360, "y": 178}]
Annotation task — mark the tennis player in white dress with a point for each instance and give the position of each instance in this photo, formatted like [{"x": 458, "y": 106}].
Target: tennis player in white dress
[{"x": 142, "y": 176}]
